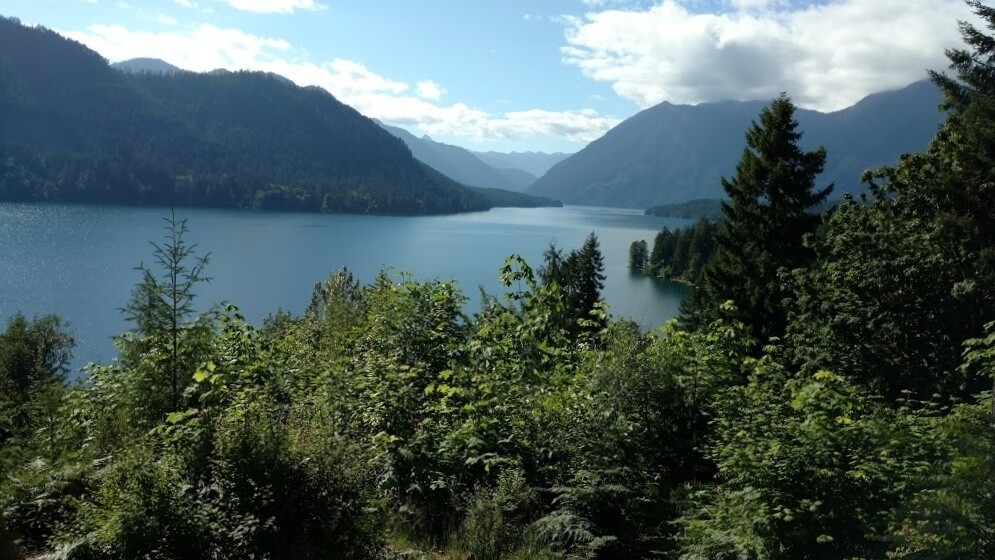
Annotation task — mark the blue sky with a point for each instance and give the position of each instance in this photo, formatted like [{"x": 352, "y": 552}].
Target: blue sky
[{"x": 546, "y": 75}]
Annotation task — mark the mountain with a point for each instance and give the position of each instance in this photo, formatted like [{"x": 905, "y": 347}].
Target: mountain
[
  {"x": 153, "y": 65},
  {"x": 675, "y": 153},
  {"x": 517, "y": 179},
  {"x": 461, "y": 165},
  {"x": 512, "y": 199},
  {"x": 74, "y": 129},
  {"x": 535, "y": 163}
]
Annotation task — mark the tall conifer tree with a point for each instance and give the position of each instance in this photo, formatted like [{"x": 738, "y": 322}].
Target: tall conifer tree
[{"x": 766, "y": 215}]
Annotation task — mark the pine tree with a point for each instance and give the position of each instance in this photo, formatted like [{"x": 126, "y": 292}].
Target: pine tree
[
  {"x": 587, "y": 277},
  {"x": 766, "y": 216},
  {"x": 638, "y": 255},
  {"x": 908, "y": 274},
  {"x": 975, "y": 68},
  {"x": 955, "y": 183},
  {"x": 580, "y": 274},
  {"x": 161, "y": 306}
]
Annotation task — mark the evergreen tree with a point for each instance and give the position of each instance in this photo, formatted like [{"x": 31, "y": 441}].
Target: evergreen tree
[
  {"x": 34, "y": 355},
  {"x": 681, "y": 254},
  {"x": 903, "y": 280},
  {"x": 586, "y": 270},
  {"x": 638, "y": 255},
  {"x": 553, "y": 269},
  {"x": 161, "y": 306},
  {"x": 766, "y": 216},
  {"x": 580, "y": 275}
]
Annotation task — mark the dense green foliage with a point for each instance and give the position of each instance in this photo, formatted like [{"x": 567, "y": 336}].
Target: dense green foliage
[
  {"x": 638, "y": 255},
  {"x": 670, "y": 154},
  {"x": 505, "y": 198},
  {"x": 76, "y": 130},
  {"x": 384, "y": 422},
  {"x": 681, "y": 255}
]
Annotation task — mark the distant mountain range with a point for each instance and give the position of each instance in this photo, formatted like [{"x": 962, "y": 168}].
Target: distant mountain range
[
  {"x": 535, "y": 163},
  {"x": 676, "y": 153},
  {"x": 74, "y": 129},
  {"x": 462, "y": 165}
]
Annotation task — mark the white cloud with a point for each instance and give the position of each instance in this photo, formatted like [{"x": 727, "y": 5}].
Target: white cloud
[
  {"x": 274, "y": 6},
  {"x": 186, "y": 3},
  {"x": 204, "y": 48},
  {"x": 602, "y": 3},
  {"x": 745, "y": 5},
  {"x": 429, "y": 90},
  {"x": 826, "y": 57},
  {"x": 207, "y": 47},
  {"x": 166, "y": 20}
]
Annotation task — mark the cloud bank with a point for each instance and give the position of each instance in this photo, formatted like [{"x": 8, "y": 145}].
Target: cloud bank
[
  {"x": 827, "y": 57},
  {"x": 207, "y": 47}
]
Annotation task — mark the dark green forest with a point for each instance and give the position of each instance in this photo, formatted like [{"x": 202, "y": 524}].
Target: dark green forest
[
  {"x": 678, "y": 255},
  {"x": 827, "y": 392},
  {"x": 75, "y": 130}
]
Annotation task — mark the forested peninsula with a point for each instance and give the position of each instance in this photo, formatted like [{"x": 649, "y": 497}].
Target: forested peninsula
[
  {"x": 827, "y": 392},
  {"x": 75, "y": 130}
]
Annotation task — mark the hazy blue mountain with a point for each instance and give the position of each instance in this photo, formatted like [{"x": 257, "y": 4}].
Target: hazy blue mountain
[
  {"x": 460, "y": 164},
  {"x": 535, "y": 163},
  {"x": 74, "y": 129},
  {"x": 154, "y": 65},
  {"x": 675, "y": 153},
  {"x": 517, "y": 179}
]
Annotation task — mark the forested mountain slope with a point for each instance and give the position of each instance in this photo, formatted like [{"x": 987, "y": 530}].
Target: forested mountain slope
[
  {"x": 675, "y": 153},
  {"x": 73, "y": 129}
]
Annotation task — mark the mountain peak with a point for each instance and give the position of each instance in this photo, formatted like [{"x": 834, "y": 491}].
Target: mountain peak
[
  {"x": 674, "y": 153},
  {"x": 151, "y": 65}
]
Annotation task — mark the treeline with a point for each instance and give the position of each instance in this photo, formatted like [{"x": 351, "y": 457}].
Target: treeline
[
  {"x": 679, "y": 255},
  {"x": 827, "y": 394},
  {"x": 76, "y": 130}
]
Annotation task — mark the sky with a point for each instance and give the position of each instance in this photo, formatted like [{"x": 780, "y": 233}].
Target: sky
[{"x": 522, "y": 75}]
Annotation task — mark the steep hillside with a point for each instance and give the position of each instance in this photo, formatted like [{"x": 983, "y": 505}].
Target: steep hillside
[
  {"x": 674, "y": 153},
  {"x": 73, "y": 129}
]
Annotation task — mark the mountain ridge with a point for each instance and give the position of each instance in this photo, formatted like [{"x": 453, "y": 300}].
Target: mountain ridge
[
  {"x": 74, "y": 129},
  {"x": 670, "y": 154},
  {"x": 143, "y": 64},
  {"x": 461, "y": 164},
  {"x": 535, "y": 163}
]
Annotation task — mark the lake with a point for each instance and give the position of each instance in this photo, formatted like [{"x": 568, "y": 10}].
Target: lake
[{"x": 78, "y": 261}]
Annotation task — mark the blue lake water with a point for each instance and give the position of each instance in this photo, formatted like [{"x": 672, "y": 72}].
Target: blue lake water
[{"x": 78, "y": 261}]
